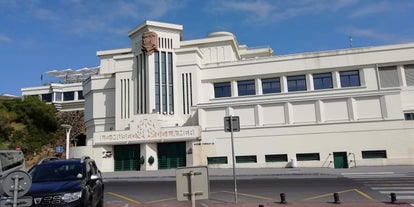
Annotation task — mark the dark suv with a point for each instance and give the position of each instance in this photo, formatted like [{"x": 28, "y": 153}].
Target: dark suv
[{"x": 66, "y": 183}]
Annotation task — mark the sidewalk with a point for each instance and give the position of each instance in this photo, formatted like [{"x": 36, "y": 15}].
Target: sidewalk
[{"x": 215, "y": 173}]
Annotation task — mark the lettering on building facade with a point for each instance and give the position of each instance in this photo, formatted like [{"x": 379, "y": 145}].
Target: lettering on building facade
[{"x": 145, "y": 130}]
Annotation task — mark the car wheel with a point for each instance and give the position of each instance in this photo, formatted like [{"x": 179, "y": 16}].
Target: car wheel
[{"x": 101, "y": 202}]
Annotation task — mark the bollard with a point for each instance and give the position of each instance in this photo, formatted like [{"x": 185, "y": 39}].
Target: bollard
[
  {"x": 393, "y": 197},
  {"x": 336, "y": 198},
  {"x": 283, "y": 198}
]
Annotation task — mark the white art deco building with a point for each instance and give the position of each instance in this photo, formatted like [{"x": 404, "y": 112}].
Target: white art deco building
[{"x": 162, "y": 102}]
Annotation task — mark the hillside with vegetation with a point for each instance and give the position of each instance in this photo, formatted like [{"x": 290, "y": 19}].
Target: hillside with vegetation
[{"x": 31, "y": 125}]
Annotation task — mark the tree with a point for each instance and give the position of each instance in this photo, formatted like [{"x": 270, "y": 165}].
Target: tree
[{"x": 29, "y": 123}]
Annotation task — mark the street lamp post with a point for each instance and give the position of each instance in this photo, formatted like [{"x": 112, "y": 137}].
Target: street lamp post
[{"x": 67, "y": 128}]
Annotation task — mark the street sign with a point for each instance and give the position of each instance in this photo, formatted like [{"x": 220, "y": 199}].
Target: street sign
[
  {"x": 16, "y": 184},
  {"x": 192, "y": 183},
  {"x": 231, "y": 122},
  {"x": 23, "y": 180},
  {"x": 59, "y": 149}
]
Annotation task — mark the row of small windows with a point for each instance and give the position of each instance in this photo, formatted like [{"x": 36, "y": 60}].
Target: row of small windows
[
  {"x": 294, "y": 83},
  {"x": 62, "y": 96},
  {"x": 369, "y": 154},
  {"x": 391, "y": 76}
]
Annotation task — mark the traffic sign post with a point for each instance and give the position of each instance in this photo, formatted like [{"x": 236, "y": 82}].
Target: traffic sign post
[
  {"x": 16, "y": 184},
  {"x": 232, "y": 124},
  {"x": 192, "y": 184}
]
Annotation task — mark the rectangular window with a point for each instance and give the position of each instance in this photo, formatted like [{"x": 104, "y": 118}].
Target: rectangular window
[
  {"x": 157, "y": 82},
  {"x": 222, "y": 90},
  {"x": 409, "y": 74},
  {"x": 307, "y": 156},
  {"x": 217, "y": 160},
  {"x": 58, "y": 96},
  {"x": 47, "y": 97},
  {"x": 388, "y": 77},
  {"x": 296, "y": 83},
  {"x": 80, "y": 95},
  {"x": 164, "y": 82},
  {"x": 276, "y": 158},
  {"x": 246, "y": 159},
  {"x": 68, "y": 96},
  {"x": 246, "y": 87},
  {"x": 349, "y": 78},
  {"x": 322, "y": 81},
  {"x": 409, "y": 116},
  {"x": 271, "y": 85},
  {"x": 170, "y": 84},
  {"x": 373, "y": 154}
]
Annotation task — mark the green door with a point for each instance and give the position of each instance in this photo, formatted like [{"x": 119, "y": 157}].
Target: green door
[
  {"x": 340, "y": 160},
  {"x": 126, "y": 157},
  {"x": 171, "y": 155}
]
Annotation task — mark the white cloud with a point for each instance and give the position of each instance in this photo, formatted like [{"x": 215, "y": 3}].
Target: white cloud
[
  {"x": 268, "y": 11},
  {"x": 370, "y": 33},
  {"x": 255, "y": 10},
  {"x": 5, "y": 39},
  {"x": 370, "y": 9},
  {"x": 382, "y": 8},
  {"x": 85, "y": 17}
]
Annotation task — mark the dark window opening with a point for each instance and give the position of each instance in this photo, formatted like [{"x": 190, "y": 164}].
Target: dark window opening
[
  {"x": 47, "y": 97},
  {"x": 68, "y": 96},
  {"x": 217, "y": 160},
  {"x": 246, "y": 87},
  {"x": 246, "y": 159},
  {"x": 222, "y": 90},
  {"x": 307, "y": 156},
  {"x": 271, "y": 85},
  {"x": 409, "y": 116},
  {"x": 322, "y": 81},
  {"x": 373, "y": 154},
  {"x": 276, "y": 158},
  {"x": 349, "y": 78},
  {"x": 296, "y": 83}
]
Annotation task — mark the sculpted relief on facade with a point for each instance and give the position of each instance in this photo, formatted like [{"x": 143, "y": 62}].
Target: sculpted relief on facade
[{"x": 149, "y": 42}]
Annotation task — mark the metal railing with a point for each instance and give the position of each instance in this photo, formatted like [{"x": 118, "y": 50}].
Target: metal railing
[
  {"x": 352, "y": 160},
  {"x": 327, "y": 161}
]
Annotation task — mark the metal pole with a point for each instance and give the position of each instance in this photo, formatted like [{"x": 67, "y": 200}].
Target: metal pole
[
  {"x": 192, "y": 192},
  {"x": 67, "y": 143},
  {"x": 234, "y": 159},
  {"x": 67, "y": 128}
]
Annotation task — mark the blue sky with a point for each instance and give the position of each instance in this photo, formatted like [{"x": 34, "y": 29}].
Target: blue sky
[{"x": 37, "y": 36}]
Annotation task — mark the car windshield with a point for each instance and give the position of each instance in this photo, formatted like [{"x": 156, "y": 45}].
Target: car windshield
[{"x": 57, "y": 172}]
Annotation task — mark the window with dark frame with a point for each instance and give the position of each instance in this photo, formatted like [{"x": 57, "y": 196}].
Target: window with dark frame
[
  {"x": 271, "y": 85},
  {"x": 222, "y": 90},
  {"x": 322, "y": 81},
  {"x": 246, "y": 87},
  {"x": 217, "y": 160},
  {"x": 246, "y": 159},
  {"x": 69, "y": 96},
  {"x": 47, "y": 97},
  {"x": 296, "y": 83},
  {"x": 307, "y": 156},
  {"x": 349, "y": 78},
  {"x": 80, "y": 95},
  {"x": 276, "y": 158},
  {"x": 409, "y": 116},
  {"x": 374, "y": 154}
]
